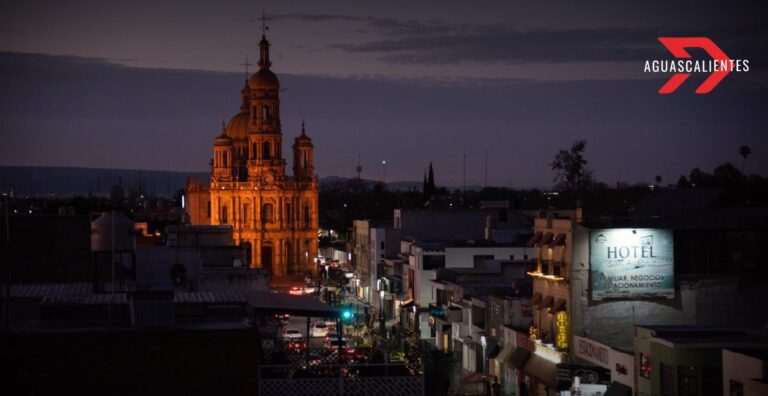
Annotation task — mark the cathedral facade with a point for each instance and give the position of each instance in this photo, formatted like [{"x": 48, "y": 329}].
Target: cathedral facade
[{"x": 274, "y": 216}]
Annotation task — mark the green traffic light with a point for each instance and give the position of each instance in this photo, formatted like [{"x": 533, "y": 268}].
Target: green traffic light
[{"x": 346, "y": 314}]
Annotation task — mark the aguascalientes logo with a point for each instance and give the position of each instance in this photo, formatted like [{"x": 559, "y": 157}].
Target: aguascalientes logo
[{"x": 718, "y": 67}]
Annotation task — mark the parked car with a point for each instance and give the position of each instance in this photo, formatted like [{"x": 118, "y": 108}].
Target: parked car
[
  {"x": 292, "y": 333},
  {"x": 319, "y": 329}
]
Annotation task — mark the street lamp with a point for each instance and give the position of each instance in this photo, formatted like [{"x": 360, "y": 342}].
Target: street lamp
[
  {"x": 484, "y": 343},
  {"x": 382, "y": 324},
  {"x": 384, "y": 171}
]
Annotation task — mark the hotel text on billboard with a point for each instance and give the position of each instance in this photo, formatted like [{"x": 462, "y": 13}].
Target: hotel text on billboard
[{"x": 631, "y": 263}]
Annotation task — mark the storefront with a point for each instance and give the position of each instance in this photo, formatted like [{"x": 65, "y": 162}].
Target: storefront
[{"x": 621, "y": 365}]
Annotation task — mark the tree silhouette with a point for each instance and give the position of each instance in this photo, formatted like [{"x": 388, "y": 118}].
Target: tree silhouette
[
  {"x": 658, "y": 180},
  {"x": 571, "y": 167},
  {"x": 744, "y": 152}
]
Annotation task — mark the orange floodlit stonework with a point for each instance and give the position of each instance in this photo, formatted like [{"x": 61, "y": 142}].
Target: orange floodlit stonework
[{"x": 274, "y": 216}]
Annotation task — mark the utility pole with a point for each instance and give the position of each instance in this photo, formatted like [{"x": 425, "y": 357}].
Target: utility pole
[
  {"x": 7, "y": 308},
  {"x": 485, "y": 180}
]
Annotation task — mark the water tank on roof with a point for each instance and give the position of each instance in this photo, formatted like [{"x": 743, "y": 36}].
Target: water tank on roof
[{"x": 102, "y": 231}]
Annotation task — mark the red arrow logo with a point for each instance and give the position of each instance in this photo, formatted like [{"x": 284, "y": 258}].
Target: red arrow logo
[{"x": 677, "y": 46}]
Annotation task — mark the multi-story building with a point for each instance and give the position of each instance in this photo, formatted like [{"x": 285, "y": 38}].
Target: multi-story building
[{"x": 274, "y": 215}]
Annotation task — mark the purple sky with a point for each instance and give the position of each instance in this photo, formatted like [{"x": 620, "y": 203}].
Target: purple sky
[{"x": 399, "y": 81}]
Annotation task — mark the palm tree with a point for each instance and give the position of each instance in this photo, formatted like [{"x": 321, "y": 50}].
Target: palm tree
[{"x": 744, "y": 151}]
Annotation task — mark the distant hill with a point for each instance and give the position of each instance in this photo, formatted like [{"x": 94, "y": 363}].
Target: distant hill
[
  {"x": 37, "y": 181},
  {"x": 67, "y": 181}
]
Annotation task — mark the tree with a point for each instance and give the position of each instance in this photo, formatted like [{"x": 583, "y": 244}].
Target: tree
[
  {"x": 658, "y": 180},
  {"x": 571, "y": 167},
  {"x": 744, "y": 152},
  {"x": 429, "y": 185}
]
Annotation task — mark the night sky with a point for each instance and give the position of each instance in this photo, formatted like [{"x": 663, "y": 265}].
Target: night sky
[{"x": 142, "y": 85}]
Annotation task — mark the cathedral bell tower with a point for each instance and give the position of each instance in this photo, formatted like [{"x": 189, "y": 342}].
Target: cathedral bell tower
[
  {"x": 303, "y": 157},
  {"x": 265, "y": 137},
  {"x": 223, "y": 157}
]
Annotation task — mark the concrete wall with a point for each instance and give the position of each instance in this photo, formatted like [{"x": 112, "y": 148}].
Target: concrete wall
[
  {"x": 463, "y": 257},
  {"x": 743, "y": 369},
  {"x": 441, "y": 225}
]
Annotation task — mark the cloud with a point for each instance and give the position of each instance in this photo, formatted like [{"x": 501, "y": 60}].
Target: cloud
[{"x": 440, "y": 43}]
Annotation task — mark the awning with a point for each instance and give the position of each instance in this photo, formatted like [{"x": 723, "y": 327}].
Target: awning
[
  {"x": 534, "y": 238},
  {"x": 519, "y": 357},
  {"x": 559, "y": 240},
  {"x": 548, "y": 301},
  {"x": 559, "y": 306},
  {"x": 494, "y": 352},
  {"x": 544, "y": 240},
  {"x": 618, "y": 389},
  {"x": 505, "y": 353},
  {"x": 542, "y": 370},
  {"x": 535, "y": 300}
]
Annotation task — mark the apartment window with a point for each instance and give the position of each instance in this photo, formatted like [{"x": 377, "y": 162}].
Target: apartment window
[
  {"x": 382, "y": 245},
  {"x": 432, "y": 262},
  {"x": 480, "y": 258},
  {"x": 645, "y": 366},
  {"x": 736, "y": 388}
]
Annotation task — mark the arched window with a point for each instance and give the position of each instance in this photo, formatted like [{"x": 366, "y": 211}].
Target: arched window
[
  {"x": 267, "y": 214},
  {"x": 304, "y": 161},
  {"x": 225, "y": 160},
  {"x": 265, "y": 112},
  {"x": 246, "y": 210},
  {"x": 267, "y": 152},
  {"x": 224, "y": 215},
  {"x": 307, "y": 220},
  {"x": 255, "y": 150}
]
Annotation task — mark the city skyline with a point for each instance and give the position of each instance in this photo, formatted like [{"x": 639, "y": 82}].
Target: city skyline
[{"x": 429, "y": 84}]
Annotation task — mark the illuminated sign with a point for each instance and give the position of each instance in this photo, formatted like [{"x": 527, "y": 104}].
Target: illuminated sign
[
  {"x": 632, "y": 263},
  {"x": 561, "y": 321}
]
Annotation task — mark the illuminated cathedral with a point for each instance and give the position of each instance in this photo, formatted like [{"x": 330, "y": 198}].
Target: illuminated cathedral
[{"x": 273, "y": 215}]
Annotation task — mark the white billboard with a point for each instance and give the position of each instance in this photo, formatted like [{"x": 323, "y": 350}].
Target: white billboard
[{"x": 631, "y": 263}]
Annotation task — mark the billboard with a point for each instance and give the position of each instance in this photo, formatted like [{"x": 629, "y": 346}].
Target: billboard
[{"x": 631, "y": 263}]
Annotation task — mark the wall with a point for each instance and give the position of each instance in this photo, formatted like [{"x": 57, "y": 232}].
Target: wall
[
  {"x": 463, "y": 257},
  {"x": 740, "y": 368}
]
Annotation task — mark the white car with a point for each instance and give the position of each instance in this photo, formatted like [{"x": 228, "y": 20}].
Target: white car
[
  {"x": 319, "y": 329},
  {"x": 292, "y": 333}
]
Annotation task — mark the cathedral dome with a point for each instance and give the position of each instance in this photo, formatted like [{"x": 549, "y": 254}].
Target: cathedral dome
[
  {"x": 265, "y": 79},
  {"x": 237, "y": 127}
]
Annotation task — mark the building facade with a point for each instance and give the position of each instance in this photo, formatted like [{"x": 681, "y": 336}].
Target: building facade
[{"x": 274, "y": 215}]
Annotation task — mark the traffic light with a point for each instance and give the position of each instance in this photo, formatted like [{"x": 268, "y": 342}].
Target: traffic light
[{"x": 346, "y": 314}]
